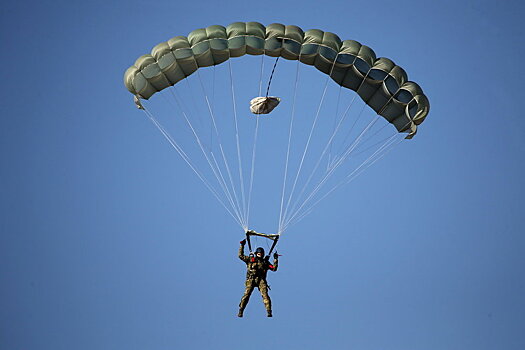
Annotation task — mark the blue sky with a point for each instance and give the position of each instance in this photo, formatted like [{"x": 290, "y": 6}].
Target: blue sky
[{"x": 109, "y": 241}]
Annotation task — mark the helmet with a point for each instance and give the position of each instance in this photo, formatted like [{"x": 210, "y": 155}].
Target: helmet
[{"x": 259, "y": 250}]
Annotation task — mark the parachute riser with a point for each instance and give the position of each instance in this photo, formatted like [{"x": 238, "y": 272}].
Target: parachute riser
[
  {"x": 273, "y": 237},
  {"x": 249, "y": 243}
]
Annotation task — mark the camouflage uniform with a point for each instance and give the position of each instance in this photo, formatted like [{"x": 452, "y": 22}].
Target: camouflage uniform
[{"x": 256, "y": 277}]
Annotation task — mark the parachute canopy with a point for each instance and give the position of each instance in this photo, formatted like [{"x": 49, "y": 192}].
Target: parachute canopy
[
  {"x": 382, "y": 84},
  {"x": 319, "y": 142}
]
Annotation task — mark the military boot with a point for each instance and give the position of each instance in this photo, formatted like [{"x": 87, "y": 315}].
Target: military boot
[
  {"x": 240, "y": 313},
  {"x": 269, "y": 313}
]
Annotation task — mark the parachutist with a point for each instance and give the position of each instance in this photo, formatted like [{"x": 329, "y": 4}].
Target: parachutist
[{"x": 257, "y": 267}]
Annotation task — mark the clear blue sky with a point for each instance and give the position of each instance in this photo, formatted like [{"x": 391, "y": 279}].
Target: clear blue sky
[{"x": 108, "y": 241}]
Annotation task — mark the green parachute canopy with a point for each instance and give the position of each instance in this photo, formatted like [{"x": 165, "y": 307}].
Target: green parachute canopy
[
  {"x": 332, "y": 154},
  {"x": 380, "y": 83}
]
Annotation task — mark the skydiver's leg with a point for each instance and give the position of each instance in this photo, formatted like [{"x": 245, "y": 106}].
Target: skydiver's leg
[
  {"x": 246, "y": 297},
  {"x": 263, "y": 288}
]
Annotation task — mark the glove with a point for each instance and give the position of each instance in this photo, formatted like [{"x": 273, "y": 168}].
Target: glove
[
  {"x": 275, "y": 255},
  {"x": 243, "y": 242}
]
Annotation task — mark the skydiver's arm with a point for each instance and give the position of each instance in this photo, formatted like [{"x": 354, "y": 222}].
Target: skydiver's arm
[
  {"x": 273, "y": 267},
  {"x": 241, "y": 253}
]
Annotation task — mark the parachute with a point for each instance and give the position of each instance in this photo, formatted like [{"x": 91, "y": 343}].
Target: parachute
[{"x": 378, "y": 82}]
